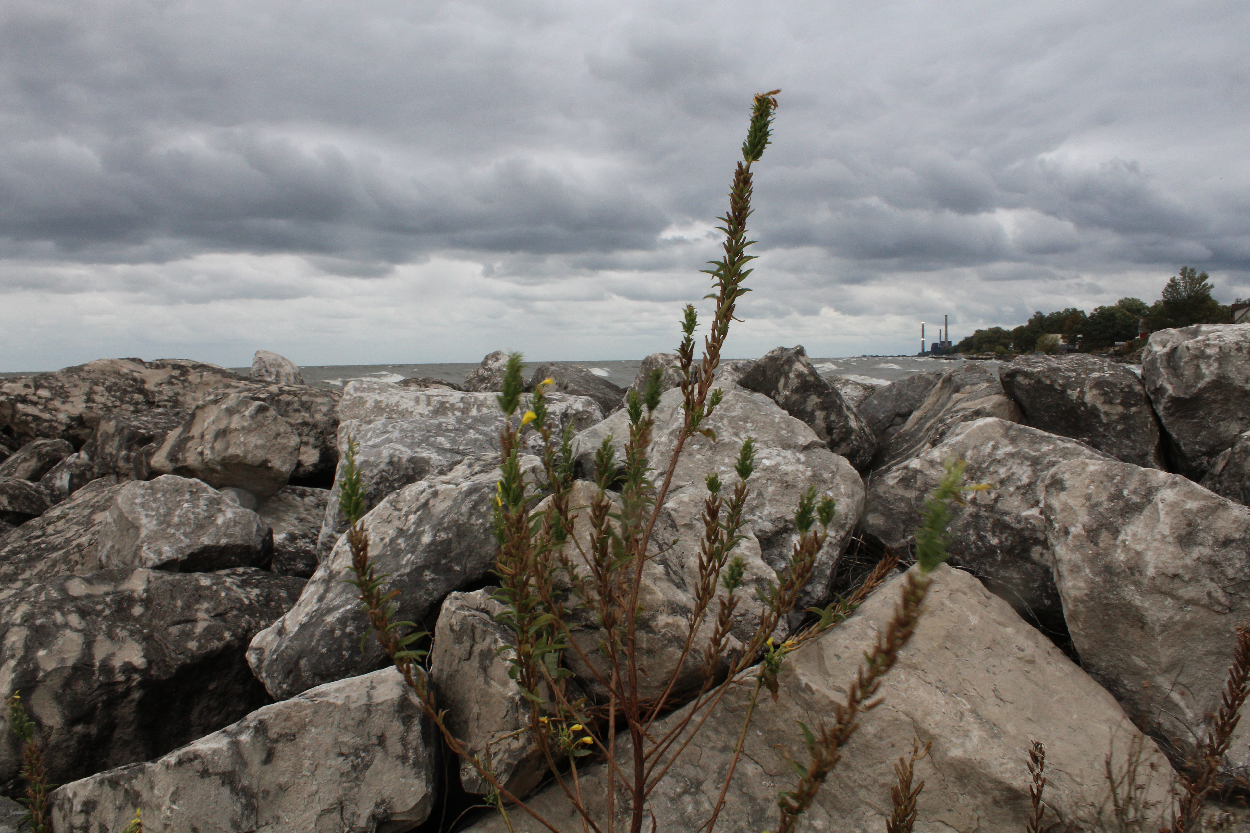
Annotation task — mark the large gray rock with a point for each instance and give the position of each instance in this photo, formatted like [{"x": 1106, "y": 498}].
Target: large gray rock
[
  {"x": 431, "y": 538},
  {"x": 787, "y": 377},
  {"x": 853, "y": 391},
  {"x": 21, "y": 500},
  {"x": 125, "y": 665},
  {"x": 975, "y": 680},
  {"x": 123, "y": 445},
  {"x": 485, "y": 710},
  {"x": 1154, "y": 572},
  {"x": 13, "y": 817},
  {"x": 1001, "y": 537},
  {"x": 68, "y": 476},
  {"x": 575, "y": 380},
  {"x": 1199, "y": 381},
  {"x": 888, "y": 407},
  {"x": 405, "y": 435},
  {"x": 489, "y": 375},
  {"x": 295, "y": 515},
  {"x": 271, "y": 367},
  {"x": 35, "y": 459},
  {"x": 666, "y": 363},
  {"x": 1088, "y": 398},
  {"x": 965, "y": 394},
  {"x": 350, "y": 756},
  {"x": 175, "y": 523},
  {"x": 61, "y": 542},
  {"x": 1230, "y": 472},
  {"x": 232, "y": 440}
]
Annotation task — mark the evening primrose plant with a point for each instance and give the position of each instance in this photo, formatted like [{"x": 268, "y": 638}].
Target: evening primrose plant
[{"x": 549, "y": 577}]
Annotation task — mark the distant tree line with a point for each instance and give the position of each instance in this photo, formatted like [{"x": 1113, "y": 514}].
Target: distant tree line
[{"x": 1186, "y": 300}]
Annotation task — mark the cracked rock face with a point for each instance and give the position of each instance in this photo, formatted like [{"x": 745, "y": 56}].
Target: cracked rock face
[
  {"x": 125, "y": 665},
  {"x": 576, "y": 380},
  {"x": 123, "y": 445},
  {"x": 35, "y": 459},
  {"x": 431, "y": 537},
  {"x": 1001, "y": 536},
  {"x": 1230, "y": 472},
  {"x": 351, "y": 756},
  {"x": 175, "y": 523},
  {"x": 1087, "y": 398},
  {"x": 975, "y": 680},
  {"x": 888, "y": 407},
  {"x": 787, "y": 377},
  {"x": 21, "y": 500},
  {"x": 1154, "y": 573},
  {"x": 232, "y": 440},
  {"x": 61, "y": 542},
  {"x": 489, "y": 375},
  {"x": 1199, "y": 381},
  {"x": 295, "y": 515}
]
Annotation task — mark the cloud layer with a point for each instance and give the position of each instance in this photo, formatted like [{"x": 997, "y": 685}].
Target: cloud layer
[{"x": 378, "y": 182}]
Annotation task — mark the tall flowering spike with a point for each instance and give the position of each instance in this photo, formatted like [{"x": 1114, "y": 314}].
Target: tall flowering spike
[
  {"x": 510, "y": 397},
  {"x": 761, "y": 126}
]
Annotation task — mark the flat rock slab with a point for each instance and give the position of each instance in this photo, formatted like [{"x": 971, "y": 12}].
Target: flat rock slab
[
  {"x": 1001, "y": 535},
  {"x": 125, "y": 665},
  {"x": 976, "y": 681},
  {"x": 61, "y": 542},
  {"x": 176, "y": 523},
  {"x": 1154, "y": 573},
  {"x": 1088, "y": 398},
  {"x": 431, "y": 538},
  {"x": 350, "y": 756},
  {"x": 1199, "y": 381}
]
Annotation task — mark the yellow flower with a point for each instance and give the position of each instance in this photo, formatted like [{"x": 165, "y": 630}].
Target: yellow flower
[
  {"x": 576, "y": 727},
  {"x": 587, "y": 739},
  {"x": 529, "y": 417}
]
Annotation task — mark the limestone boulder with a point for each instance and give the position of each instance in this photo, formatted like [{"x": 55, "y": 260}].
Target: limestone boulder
[
  {"x": 61, "y": 542},
  {"x": 35, "y": 459},
  {"x": 975, "y": 681},
  {"x": 354, "y": 756},
  {"x": 786, "y": 376},
  {"x": 485, "y": 710},
  {"x": 965, "y": 394},
  {"x": 1001, "y": 535},
  {"x": 175, "y": 523},
  {"x": 312, "y": 414},
  {"x": 21, "y": 500},
  {"x": 125, "y": 665},
  {"x": 232, "y": 441},
  {"x": 576, "y": 380},
  {"x": 67, "y": 404},
  {"x": 670, "y": 372},
  {"x": 1199, "y": 381},
  {"x": 68, "y": 476},
  {"x": 887, "y": 408},
  {"x": 1154, "y": 573},
  {"x": 1088, "y": 398},
  {"x": 295, "y": 515},
  {"x": 405, "y": 435},
  {"x": 853, "y": 391},
  {"x": 489, "y": 375},
  {"x": 431, "y": 538},
  {"x": 271, "y": 367},
  {"x": 1229, "y": 475},
  {"x": 123, "y": 445}
]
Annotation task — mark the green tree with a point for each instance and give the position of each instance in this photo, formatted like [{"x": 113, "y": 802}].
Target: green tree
[
  {"x": 1186, "y": 300},
  {"x": 985, "y": 341}
]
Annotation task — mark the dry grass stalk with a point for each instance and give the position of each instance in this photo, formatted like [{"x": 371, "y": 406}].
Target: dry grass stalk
[{"x": 902, "y": 795}]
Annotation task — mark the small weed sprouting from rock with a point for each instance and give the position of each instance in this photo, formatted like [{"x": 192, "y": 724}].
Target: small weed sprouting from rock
[{"x": 37, "y": 786}]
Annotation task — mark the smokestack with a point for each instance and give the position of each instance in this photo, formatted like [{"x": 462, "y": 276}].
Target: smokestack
[
  {"x": 922, "y": 337},
  {"x": 946, "y": 328}
]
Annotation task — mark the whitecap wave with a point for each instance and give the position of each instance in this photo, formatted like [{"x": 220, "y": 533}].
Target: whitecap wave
[{"x": 600, "y": 371}]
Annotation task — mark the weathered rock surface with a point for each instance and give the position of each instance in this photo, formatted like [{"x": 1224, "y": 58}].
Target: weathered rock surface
[
  {"x": 124, "y": 445},
  {"x": 405, "y": 435},
  {"x": 61, "y": 542},
  {"x": 432, "y": 538},
  {"x": 1199, "y": 381},
  {"x": 1001, "y": 536},
  {"x": 350, "y": 756},
  {"x": 887, "y": 408},
  {"x": 175, "y": 523},
  {"x": 1154, "y": 572},
  {"x": 295, "y": 515},
  {"x": 666, "y": 363},
  {"x": 271, "y": 367},
  {"x": 576, "y": 380},
  {"x": 489, "y": 375},
  {"x": 232, "y": 440},
  {"x": 787, "y": 377},
  {"x": 964, "y": 394},
  {"x": 975, "y": 680},
  {"x": 35, "y": 459},
  {"x": 1088, "y": 398},
  {"x": 485, "y": 709},
  {"x": 853, "y": 391},
  {"x": 21, "y": 500},
  {"x": 428, "y": 382},
  {"x": 125, "y": 665},
  {"x": 67, "y": 403},
  {"x": 68, "y": 476},
  {"x": 1230, "y": 472}
]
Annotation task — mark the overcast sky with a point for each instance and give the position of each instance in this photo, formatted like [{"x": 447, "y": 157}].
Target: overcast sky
[{"x": 387, "y": 181}]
